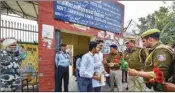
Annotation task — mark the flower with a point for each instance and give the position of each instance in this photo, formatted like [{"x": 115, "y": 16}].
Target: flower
[
  {"x": 116, "y": 60},
  {"x": 119, "y": 57},
  {"x": 159, "y": 80},
  {"x": 156, "y": 69},
  {"x": 159, "y": 74}
]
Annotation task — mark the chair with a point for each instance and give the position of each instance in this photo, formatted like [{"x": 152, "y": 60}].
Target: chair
[{"x": 30, "y": 82}]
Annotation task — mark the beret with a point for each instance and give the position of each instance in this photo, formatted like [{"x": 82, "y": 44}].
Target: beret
[{"x": 149, "y": 32}]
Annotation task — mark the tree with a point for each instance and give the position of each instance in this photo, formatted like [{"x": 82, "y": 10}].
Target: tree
[{"x": 164, "y": 20}]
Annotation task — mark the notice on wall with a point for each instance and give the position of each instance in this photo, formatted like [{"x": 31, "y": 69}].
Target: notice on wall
[{"x": 47, "y": 35}]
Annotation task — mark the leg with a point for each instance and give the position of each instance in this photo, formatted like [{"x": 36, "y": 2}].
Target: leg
[
  {"x": 118, "y": 78},
  {"x": 126, "y": 73},
  {"x": 112, "y": 81},
  {"x": 59, "y": 79},
  {"x": 90, "y": 89},
  {"x": 123, "y": 74},
  {"x": 97, "y": 89},
  {"x": 66, "y": 79},
  {"x": 56, "y": 80},
  {"x": 78, "y": 79},
  {"x": 136, "y": 84},
  {"x": 83, "y": 85}
]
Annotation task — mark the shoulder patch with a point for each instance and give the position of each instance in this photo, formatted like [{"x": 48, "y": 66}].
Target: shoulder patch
[{"x": 161, "y": 57}]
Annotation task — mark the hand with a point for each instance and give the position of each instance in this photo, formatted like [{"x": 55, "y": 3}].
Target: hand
[
  {"x": 96, "y": 77},
  {"x": 105, "y": 72},
  {"x": 110, "y": 64},
  {"x": 104, "y": 61},
  {"x": 169, "y": 87},
  {"x": 132, "y": 72}
]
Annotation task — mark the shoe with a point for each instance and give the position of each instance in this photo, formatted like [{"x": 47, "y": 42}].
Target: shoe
[{"x": 126, "y": 88}]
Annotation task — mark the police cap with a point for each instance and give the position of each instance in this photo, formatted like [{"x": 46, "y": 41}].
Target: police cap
[
  {"x": 149, "y": 32},
  {"x": 113, "y": 46}
]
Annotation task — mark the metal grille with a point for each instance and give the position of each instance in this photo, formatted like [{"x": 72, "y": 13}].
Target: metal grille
[{"x": 23, "y": 32}]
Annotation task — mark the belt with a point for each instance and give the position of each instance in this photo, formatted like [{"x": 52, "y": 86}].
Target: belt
[
  {"x": 63, "y": 66},
  {"x": 86, "y": 78}
]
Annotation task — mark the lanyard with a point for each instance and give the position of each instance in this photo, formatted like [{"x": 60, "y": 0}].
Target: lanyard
[{"x": 65, "y": 55}]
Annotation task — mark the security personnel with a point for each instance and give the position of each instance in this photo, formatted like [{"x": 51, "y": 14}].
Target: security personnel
[
  {"x": 135, "y": 57},
  {"x": 63, "y": 61},
  {"x": 159, "y": 56},
  {"x": 10, "y": 61},
  {"x": 115, "y": 72}
]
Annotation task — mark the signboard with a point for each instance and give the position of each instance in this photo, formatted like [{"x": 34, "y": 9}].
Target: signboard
[{"x": 104, "y": 15}]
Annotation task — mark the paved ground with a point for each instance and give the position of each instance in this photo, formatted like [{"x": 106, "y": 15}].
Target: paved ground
[{"x": 73, "y": 86}]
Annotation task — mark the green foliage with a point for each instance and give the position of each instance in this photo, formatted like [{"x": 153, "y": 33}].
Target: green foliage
[{"x": 164, "y": 20}]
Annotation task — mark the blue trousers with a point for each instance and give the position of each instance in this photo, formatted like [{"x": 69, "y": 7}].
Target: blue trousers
[
  {"x": 85, "y": 85},
  {"x": 97, "y": 89},
  {"x": 62, "y": 73},
  {"x": 78, "y": 79}
]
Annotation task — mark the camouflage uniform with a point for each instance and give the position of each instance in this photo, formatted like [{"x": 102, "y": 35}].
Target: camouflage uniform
[{"x": 10, "y": 74}]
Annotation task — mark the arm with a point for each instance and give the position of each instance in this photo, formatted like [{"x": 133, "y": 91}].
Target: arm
[
  {"x": 133, "y": 72},
  {"x": 96, "y": 64},
  {"x": 143, "y": 55},
  {"x": 161, "y": 59},
  {"x": 78, "y": 63},
  {"x": 83, "y": 67},
  {"x": 56, "y": 59},
  {"x": 169, "y": 87},
  {"x": 65, "y": 59}
]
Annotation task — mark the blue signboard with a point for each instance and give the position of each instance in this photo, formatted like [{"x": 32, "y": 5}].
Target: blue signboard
[{"x": 104, "y": 15}]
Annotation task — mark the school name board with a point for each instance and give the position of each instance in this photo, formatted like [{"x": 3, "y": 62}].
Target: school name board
[{"x": 103, "y": 15}]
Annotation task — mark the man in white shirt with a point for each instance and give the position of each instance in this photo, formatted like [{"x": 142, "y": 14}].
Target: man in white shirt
[
  {"x": 98, "y": 68},
  {"x": 87, "y": 68}
]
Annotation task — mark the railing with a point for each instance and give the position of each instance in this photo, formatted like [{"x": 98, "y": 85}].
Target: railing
[{"x": 23, "y": 32}]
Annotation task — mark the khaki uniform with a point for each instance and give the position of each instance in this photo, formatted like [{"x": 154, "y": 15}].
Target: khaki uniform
[
  {"x": 159, "y": 56},
  {"x": 135, "y": 58},
  {"x": 115, "y": 72}
]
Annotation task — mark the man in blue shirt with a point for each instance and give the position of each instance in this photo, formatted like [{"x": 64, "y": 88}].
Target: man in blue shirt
[
  {"x": 87, "y": 68},
  {"x": 63, "y": 61},
  {"x": 78, "y": 61}
]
